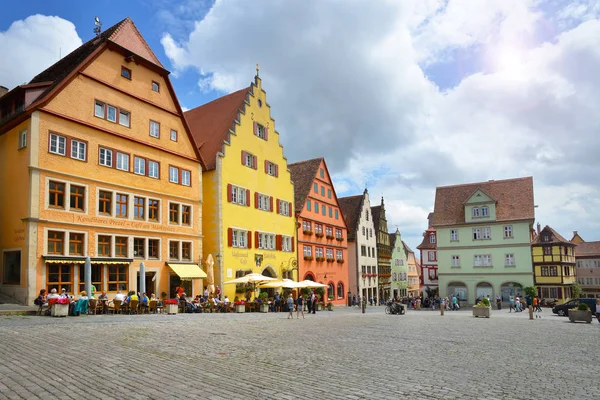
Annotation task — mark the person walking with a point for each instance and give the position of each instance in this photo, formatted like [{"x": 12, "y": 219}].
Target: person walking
[
  {"x": 300, "y": 306},
  {"x": 313, "y": 302},
  {"x": 499, "y": 302},
  {"x": 511, "y": 304},
  {"x": 290, "y": 304},
  {"x": 454, "y": 301}
]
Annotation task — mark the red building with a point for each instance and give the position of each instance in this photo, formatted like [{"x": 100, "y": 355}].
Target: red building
[
  {"x": 429, "y": 263},
  {"x": 322, "y": 233}
]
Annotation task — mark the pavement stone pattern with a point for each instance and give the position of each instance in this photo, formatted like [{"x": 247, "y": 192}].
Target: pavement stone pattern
[{"x": 342, "y": 354}]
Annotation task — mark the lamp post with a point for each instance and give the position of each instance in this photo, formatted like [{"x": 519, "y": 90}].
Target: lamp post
[{"x": 218, "y": 256}]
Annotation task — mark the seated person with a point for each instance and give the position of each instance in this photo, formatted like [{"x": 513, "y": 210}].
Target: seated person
[
  {"x": 41, "y": 299},
  {"x": 144, "y": 300},
  {"x": 119, "y": 296},
  {"x": 63, "y": 293},
  {"x": 226, "y": 301},
  {"x": 53, "y": 295},
  {"x": 189, "y": 307},
  {"x": 132, "y": 296},
  {"x": 83, "y": 295}
]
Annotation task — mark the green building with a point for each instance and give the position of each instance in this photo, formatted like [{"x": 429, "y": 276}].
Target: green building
[
  {"x": 399, "y": 281},
  {"x": 484, "y": 233}
]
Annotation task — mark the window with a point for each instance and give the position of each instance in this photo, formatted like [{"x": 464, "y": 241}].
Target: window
[
  {"x": 323, "y": 209},
  {"x": 186, "y": 251},
  {"x": 544, "y": 271},
  {"x": 338, "y": 234},
  {"x": 547, "y": 250},
  {"x": 508, "y": 231},
  {"x": 239, "y": 238},
  {"x": 126, "y": 73},
  {"x": 122, "y": 205},
  {"x": 322, "y": 173},
  {"x": 264, "y": 202},
  {"x": 318, "y": 252},
  {"x": 485, "y": 211},
  {"x": 77, "y": 197},
  {"x": 284, "y": 208},
  {"x": 99, "y": 108},
  {"x": 553, "y": 271},
  {"x": 238, "y": 195},
  {"x": 329, "y": 193},
  {"x": 316, "y": 207},
  {"x": 475, "y": 212},
  {"x": 173, "y": 174},
  {"x": 330, "y": 212},
  {"x": 123, "y": 161},
  {"x": 105, "y": 157},
  {"x": 266, "y": 241},
  {"x": 97, "y": 276},
  {"x": 363, "y": 251},
  {"x": 318, "y": 228},
  {"x": 155, "y": 86},
  {"x": 139, "y": 245},
  {"x": 117, "y": 277},
  {"x": 173, "y": 135},
  {"x": 111, "y": 113},
  {"x": 154, "y": 129},
  {"x": 153, "y": 206},
  {"x": 105, "y": 202},
  {"x": 329, "y": 253},
  {"x": 339, "y": 255},
  {"x": 306, "y": 225},
  {"x": 153, "y": 169},
  {"x": 481, "y": 233},
  {"x": 76, "y": 244},
  {"x": 104, "y": 246},
  {"x": 567, "y": 271},
  {"x": 185, "y": 177},
  {"x": 271, "y": 168},
  {"x": 174, "y": 213},
  {"x": 58, "y": 144},
  {"x": 153, "y": 248},
  {"x": 308, "y": 205},
  {"x": 260, "y": 131},
  {"x": 431, "y": 255},
  {"x": 59, "y": 276},
  {"x": 363, "y": 230},
  {"x": 22, "y": 144},
  {"x": 509, "y": 260},
  {"x": 322, "y": 190},
  {"x": 286, "y": 243},
  {"x": 482, "y": 260},
  {"x": 454, "y": 235},
  {"x": 124, "y": 118},
  {"x": 316, "y": 188},
  {"x": 12, "y": 268},
  {"x": 369, "y": 251},
  {"x": 249, "y": 160},
  {"x": 78, "y": 150},
  {"x": 307, "y": 251},
  {"x": 431, "y": 238},
  {"x": 139, "y": 165},
  {"x": 329, "y": 231},
  {"x": 455, "y": 261},
  {"x": 186, "y": 212},
  {"x": 56, "y": 195},
  {"x": 336, "y": 214},
  {"x": 121, "y": 247},
  {"x": 139, "y": 205},
  {"x": 174, "y": 250}
]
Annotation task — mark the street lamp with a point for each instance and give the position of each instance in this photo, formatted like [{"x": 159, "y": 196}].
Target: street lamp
[{"x": 219, "y": 257}]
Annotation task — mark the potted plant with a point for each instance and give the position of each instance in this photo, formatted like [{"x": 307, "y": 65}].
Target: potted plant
[
  {"x": 264, "y": 304},
  {"x": 482, "y": 309},
  {"x": 320, "y": 259},
  {"x": 240, "y": 305},
  {"x": 340, "y": 260},
  {"x": 172, "y": 306},
  {"x": 330, "y": 306},
  {"x": 319, "y": 234},
  {"x": 329, "y": 237},
  {"x": 60, "y": 306},
  {"x": 581, "y": 313},
  {"x": 330, "y": 259},
  {"x": 307, "y": 232},
  {"x": 163, "y": 295},
  {"x": 339, "y": 239},
  {"x": 308, "y": 258}
]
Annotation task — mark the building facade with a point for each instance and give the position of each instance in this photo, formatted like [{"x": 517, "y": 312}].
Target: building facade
[
  {"x": 102, "y": 166},
  {"x": 399, "y": 282},
  {"x": 587, "y": 256},
  {"x": 384, "y": 251},
  {"x": 362, "y": 245},
  {"x": 429, "y": 267},
  {"x": 322, "y": 232},
  {"x": 248, "y": 193},
  {"x": 414, "y": 272},
  {"x": 483, "y": 234},
  {"x": 554, "y": 265}
]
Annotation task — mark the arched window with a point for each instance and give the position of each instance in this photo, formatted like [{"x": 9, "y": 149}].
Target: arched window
[
  {"x": 340, "y": 290},
  {"x": 330, "y": 291}
]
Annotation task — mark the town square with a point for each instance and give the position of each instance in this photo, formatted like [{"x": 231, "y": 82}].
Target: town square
[{"x": 344, "y": 199}]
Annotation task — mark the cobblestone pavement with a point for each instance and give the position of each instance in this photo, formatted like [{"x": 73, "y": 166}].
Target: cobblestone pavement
[{"x": 337, "y": 355}]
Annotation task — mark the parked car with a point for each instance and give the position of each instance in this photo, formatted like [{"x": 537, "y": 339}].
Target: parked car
[{"x": 562, "y": 309}]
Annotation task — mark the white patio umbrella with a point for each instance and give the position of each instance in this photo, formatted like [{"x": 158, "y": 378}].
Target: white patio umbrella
[
  {"x": 210, "y": 271},
  {"x": 285, "y": 283},
  {"x": 310, "y": 284},
  {"x": 251, "y": 278}
]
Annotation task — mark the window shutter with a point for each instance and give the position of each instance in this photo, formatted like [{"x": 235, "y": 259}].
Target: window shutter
[
  {"x": 560, "y": 293},
  {"x": 278, "y": 242},
  {"x": 229, "y": 193},
  {"x": 293, "y": 244},
  {"x": 271, "y": 203},
  {"x": 266, "y": 166},
  {"x": 276, "y": 170},
  {"x": 255, "y": 162},
  {"x": 229, "y": 237},
  {"x": 249, "y": 237},
  {"x": 255, "y": 128},
  {"x": 278, "y": 206},
  {"x": 248, "y": 197},
  {"x": 243, "y": 157},
  {"x": 256, "y": 240},
  {"x": 255, "y": 199},
  {"x": 266, "y": 133}
]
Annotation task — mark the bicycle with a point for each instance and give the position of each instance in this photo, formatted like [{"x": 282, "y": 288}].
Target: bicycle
[{"x": 394, "y": 308}]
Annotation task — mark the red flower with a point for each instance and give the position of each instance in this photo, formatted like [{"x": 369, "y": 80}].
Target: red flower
[{"x": 172, "y": 301}]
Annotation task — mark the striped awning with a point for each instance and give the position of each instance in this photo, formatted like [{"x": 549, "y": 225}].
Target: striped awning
[{"x": 188, "y": 271}]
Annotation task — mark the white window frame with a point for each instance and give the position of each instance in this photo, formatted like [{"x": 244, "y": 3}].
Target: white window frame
[
  {"x": 264, "y": 202},
  {"x": 173, "y": 178},
  {"x": 153, "y": 169},
  {"x": 284, "y": 208},
  {"x": 186, "y": 177},
  {"x": 286, "y": 243},
  {"x": 508, "y": 232},
  {"x": 329, "y": 253},
  {"x": 173, "y": 135},
  {"x": 154, "y": 129},
  {"x": 78, "y": 150},
  {"x": 475, "y": 212},
  {"x": 271, "y": 170},
  {"x": 249, "y": 160},
  {"x": 22, "y": 139},
  {"x": 128, "y": 118},
  {"x": 266, "y": 241},
  {"x": 238, "y": 195},
  {"x": 157, "y": 85},
  {"x": 454, "y": 235},
  {"x": 318, "y": 252},
  {"x": 306, "y": 225},
  {"x": 108, "y": 157},
  {"x": 239, "y": 238},
  {"x": 329, "y": 231},
  {"x": 121, "y": 165},
  {"x": 338, "y": 233},
  {"x": 432, "y": 239},
  {"x": 307, "y": 250},
  {"x": 58, "y": 141},
  {"x": 103, "y": 105},
  {"x": 260, "y": 131},
  {"x": 108, "y": 110},
  {"x": 485, "y": 211},
  {"x": 509, "y": 260},
  {"x": 139, "y": 166},
  {"x": 339, "y": 255},
  {"x": 431, "y": 255}
]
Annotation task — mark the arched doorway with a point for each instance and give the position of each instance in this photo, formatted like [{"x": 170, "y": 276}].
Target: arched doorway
[
  {"x": 509, "y": 289},
  {"x": 270, "y": 272},
  {"x": 458, "y": 289},
  {"x": 484, "y": 289},
  {"x": 309, "y": 276}
]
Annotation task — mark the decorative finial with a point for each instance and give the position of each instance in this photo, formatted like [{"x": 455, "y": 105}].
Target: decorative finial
[{"x": 257, "y": 69}]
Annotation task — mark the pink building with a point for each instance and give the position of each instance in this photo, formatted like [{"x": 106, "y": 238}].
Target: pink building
[{"x": 587, "y": 256}]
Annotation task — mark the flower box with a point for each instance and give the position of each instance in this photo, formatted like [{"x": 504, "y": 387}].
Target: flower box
[
  {"x": 60, "y": 310},
  {"x": 308, "y": 258},
  {"x": 481, "y": 312},
  {"x": 240, "y": 308},
  {"x": 330, "y": 260},
  {"x": 340, "y": 261},
  {"x": 264, "y": 308},
  {"x": 171, "y": 308},
  {"x": 319, "y": 234},
  {"x": 329, "y": 237},
  {"x": 577, "y": 315},
  {"x": 320, "y": 259},
  {"x": 341, "y": 239},
  {"x": 307, "y": 232}
]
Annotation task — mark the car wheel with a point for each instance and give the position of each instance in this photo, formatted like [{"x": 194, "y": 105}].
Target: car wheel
[{"x": 561, "y": 313}]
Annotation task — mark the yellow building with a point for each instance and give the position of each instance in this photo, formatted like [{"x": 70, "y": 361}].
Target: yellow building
[
  {"x": 247, "y": 190},
  {"x": 553, "y": 265},
  {"x": 97, "y": 161}
]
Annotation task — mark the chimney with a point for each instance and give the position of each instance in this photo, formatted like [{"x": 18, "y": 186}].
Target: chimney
[
  {"x": 430, "y": 220},
  {"x": 538, "y": 228},
  {"x": 3, "y": 90},
  {"x": 574, "y": 233}
]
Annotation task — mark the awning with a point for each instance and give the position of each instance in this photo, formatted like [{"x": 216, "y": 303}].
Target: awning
[
  {"x": 188, "y": 271},
  {"x": 81, "y": 260}
]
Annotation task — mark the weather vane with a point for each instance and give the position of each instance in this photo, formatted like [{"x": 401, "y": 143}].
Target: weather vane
[
  {"x": 257, "y": 69},
  {"x": 98, "y": 27}
]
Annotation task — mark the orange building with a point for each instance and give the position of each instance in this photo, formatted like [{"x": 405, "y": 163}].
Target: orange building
[
  {"x": 97, "y": 161},
  {"x": 322, "y": 232}
]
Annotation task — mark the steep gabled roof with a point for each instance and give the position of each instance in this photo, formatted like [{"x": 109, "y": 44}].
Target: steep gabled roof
[
  {"x": 406, "y": 248},
  {"x": 587, "y": 249},
  {"x": 555, "y": 237},
  {"x": 392, "y": 239},
  {"x": 352, "y": 208},
  {"x": 210, "y": 124},
  {"x": 303, "y": 173},
  {"x": 514, "y": 200},
  {"x": 426, "y": 244},
  {"x": 375, "y": 212}
]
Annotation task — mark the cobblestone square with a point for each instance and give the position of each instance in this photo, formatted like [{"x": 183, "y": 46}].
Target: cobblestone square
[{"x": 341, "y": 355}]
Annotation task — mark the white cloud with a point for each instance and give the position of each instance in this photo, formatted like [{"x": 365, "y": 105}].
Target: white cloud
[
  {"x": 348, "y": 83},
  {"x": 30, "y": 46}
]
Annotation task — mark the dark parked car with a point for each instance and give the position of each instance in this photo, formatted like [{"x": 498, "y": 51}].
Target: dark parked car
[{"x": 562, "y": 309}]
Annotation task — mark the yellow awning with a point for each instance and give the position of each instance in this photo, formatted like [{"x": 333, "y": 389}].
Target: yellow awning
[
  {"x": 188, "y": 271},
  {"x": 65, "y": 261}
]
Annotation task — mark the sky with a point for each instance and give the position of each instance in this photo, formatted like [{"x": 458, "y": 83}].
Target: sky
[{"x": 398, "y": 96}]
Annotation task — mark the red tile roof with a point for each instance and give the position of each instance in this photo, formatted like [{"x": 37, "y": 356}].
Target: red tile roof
[
  {"x": 514, "y": 200},
  {"x": 587, "y": 249},
  {"x": 555, "y": 237},
  {"x": 211, "y": 124},
  {"x": 303, "y": 174},
  {"x": 351, "y": 208},
  {"x": 426, "y": 244}
]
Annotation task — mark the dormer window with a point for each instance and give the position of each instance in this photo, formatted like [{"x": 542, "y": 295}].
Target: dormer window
[
  {"x": 546, "y": 238},
  {"x": 475, "y": 212},
  {"x": 485, "y": 211},
  {"x": 431, "y": 238}
]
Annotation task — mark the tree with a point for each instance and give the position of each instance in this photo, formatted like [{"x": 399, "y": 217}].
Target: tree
[
  {"x": 575, "y": 291},
  {"x": 530, "y": 291}
]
